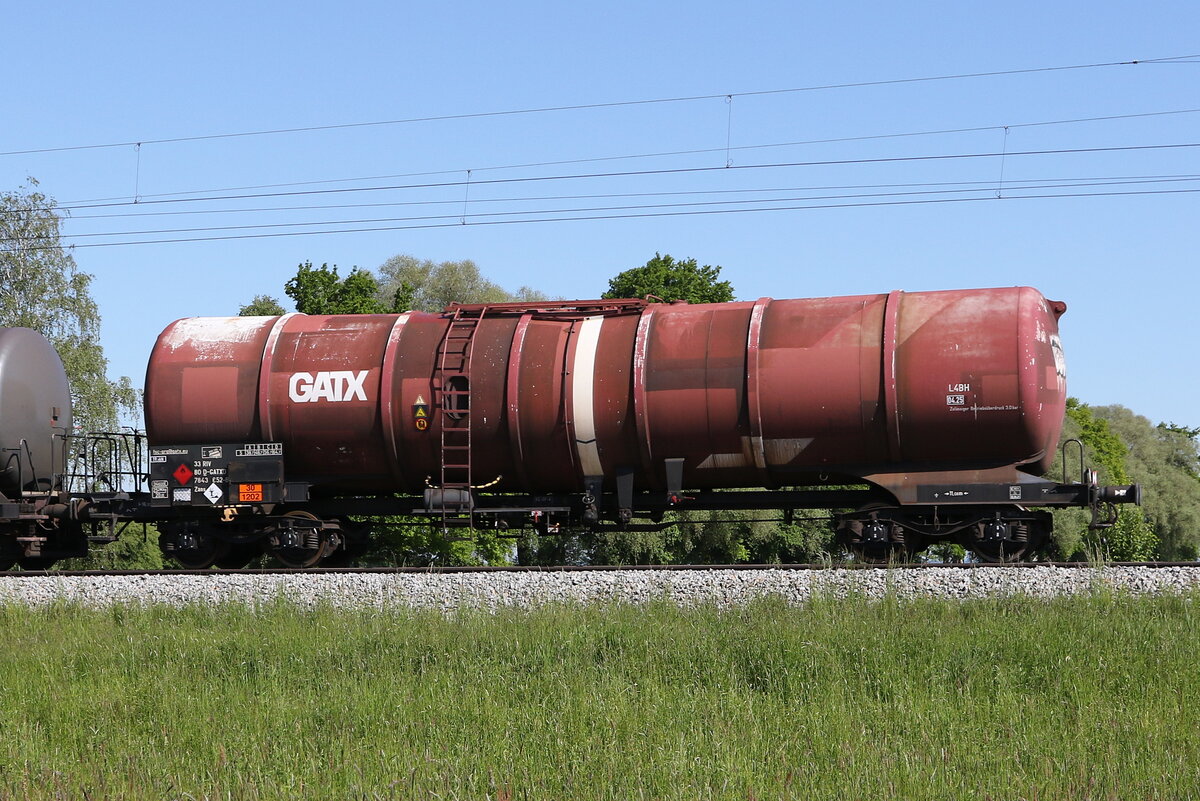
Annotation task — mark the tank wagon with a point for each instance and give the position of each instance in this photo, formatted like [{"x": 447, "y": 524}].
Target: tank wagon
[
  {"x": 929, "y": 415},
  {"x": 35, "y": 419},
  {"x": 919, "y": 416}
]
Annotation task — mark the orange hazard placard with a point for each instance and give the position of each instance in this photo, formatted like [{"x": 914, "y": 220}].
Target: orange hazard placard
[{"x": 248, "y": 493}]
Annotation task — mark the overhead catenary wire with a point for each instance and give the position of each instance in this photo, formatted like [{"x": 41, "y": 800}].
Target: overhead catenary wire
[
  {"x": 481, "y": 208},
  {"x": 593, "y": 106},
  {"x": 457, "y": 223},
  {"x": 636, "y": 156},
  {"x": 475, "y": 218},
  {"x": 602, "y": 195},
  {"x": 462, "y": 217},
  {"x": 643, "y": 173}
]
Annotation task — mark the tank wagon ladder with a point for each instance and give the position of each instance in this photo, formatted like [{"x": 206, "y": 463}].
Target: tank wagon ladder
[{"x": 452, "y": 382}]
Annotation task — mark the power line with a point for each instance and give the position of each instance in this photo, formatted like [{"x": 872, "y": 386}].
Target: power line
[
  {"x": 594, "y": 106},
  {"x": 639, "y": 215},
  {"x": 740, "y": 201},
  {"x": 645, "y": 173},
  {"x": 594, "y": 196},
  {"x": 633, "y": 156},
  {"x": 645, "y": 215}
]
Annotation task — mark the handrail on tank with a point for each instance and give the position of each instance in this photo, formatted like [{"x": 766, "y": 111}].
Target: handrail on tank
[
  {"x": 111, "y": 458},
  {"x": 63, "y": 476},
  {"x": 32, "y": 469},
  {"x": 552, "y": 308},
  {"x": 59, "y": 468},
  {"x": 1082, "y": 466},
  {"x": 15, "y": 453},
  {"x": 22, "y": 453}
]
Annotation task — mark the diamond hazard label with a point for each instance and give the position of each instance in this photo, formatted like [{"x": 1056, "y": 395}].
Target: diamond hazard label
[
  {"x": 213, "y": 493},
  {"x": 183, "y": 474}
]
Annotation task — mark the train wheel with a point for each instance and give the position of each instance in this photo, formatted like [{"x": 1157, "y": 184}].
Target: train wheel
[
  {"x": 1000, "y": 541},
  {"x": 877, "y": 541},
  {"x": 356, "y": 539},
  {"x": 301, "y": 543},
  {"x": 193, "y": 546}
]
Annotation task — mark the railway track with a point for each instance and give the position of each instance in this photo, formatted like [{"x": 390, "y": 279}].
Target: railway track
[
  {"x": 451, "y": 569},
  {"x": 448, "y": 589}
]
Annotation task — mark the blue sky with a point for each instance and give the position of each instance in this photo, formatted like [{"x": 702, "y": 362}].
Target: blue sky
[{"x": 123, "y": 73}]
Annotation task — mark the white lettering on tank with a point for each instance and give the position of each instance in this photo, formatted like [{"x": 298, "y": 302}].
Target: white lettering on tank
[{"x": 335, "y": 386}]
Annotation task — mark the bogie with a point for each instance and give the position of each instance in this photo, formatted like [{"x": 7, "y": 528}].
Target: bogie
[{"x": 1006, "y": 534}]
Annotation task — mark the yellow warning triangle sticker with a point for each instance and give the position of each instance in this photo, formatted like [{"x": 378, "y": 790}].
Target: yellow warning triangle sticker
[{"x": 421, "y": 413}]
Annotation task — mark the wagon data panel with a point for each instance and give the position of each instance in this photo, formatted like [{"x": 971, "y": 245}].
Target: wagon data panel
[{"x": 225, "y": 474}]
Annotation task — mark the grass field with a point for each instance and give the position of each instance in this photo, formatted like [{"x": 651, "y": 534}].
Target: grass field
[{"x": 1089, "y": 698}]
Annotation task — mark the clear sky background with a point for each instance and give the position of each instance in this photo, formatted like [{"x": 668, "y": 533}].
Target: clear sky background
[{"x": 817, "y": 191}]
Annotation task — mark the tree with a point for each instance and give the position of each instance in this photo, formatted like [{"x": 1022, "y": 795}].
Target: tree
[
  {"x": 717, "y": 537},
  {"x": 42, "y": 288},
  {"x": 136, "y": 548},
  {"x": 406, "y": 282},
  {"x": 1184, "y": 444},
  {"x": 403, "y": 283},
  {"x": 670, "y": 280},
  {"x": 1134, "y": 536},
  {"x": 319, "y": 290},
  {"x": 1165, "y": 461},
  {"x": 413, "y": 542},
  {"x": 262, "y": 306}
]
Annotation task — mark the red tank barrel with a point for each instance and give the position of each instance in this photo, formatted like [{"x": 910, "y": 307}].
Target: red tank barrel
[{"x": 747, "y": 394}]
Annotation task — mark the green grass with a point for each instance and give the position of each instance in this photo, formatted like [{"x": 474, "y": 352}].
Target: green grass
[{"x": 1089, "y": 698}]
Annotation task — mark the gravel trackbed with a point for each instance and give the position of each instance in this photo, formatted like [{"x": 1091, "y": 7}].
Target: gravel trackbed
[{"x": 496, "y": 590}]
